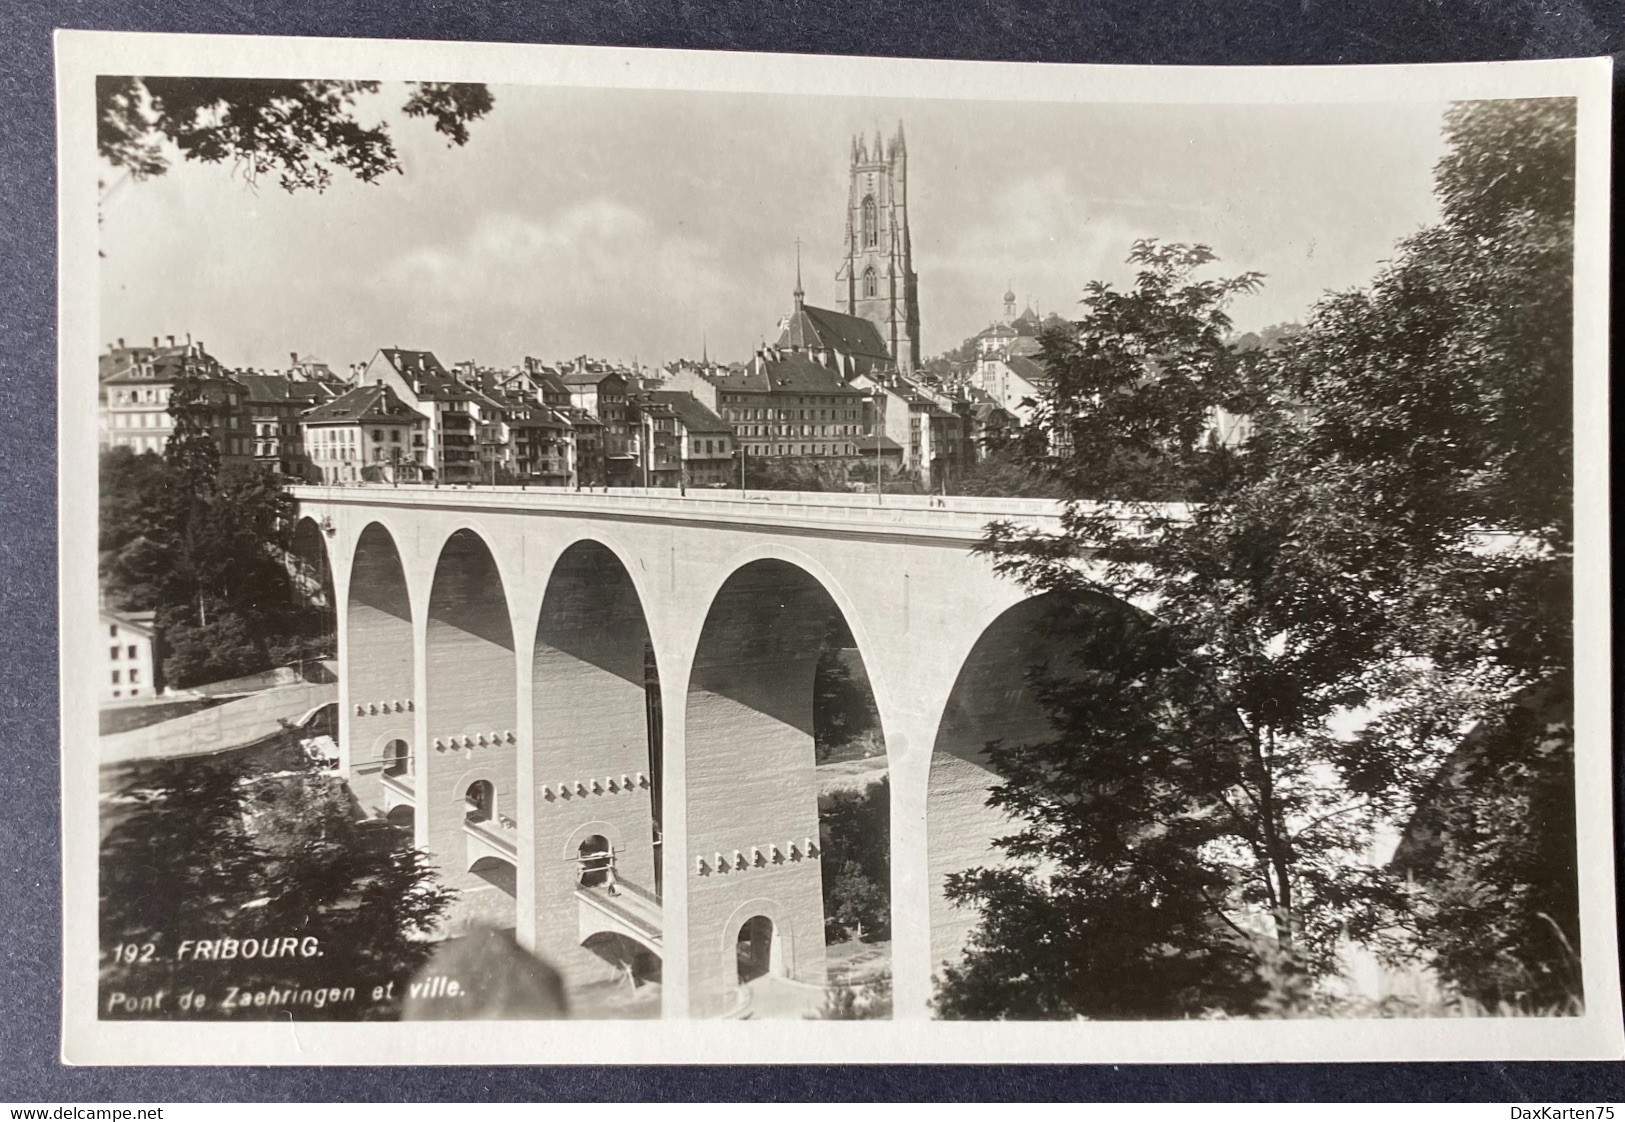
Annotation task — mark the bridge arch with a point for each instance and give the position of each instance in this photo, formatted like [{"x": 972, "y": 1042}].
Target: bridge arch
[
  {"x": 471, "y": 717},
  {"x": 596, "y": 734},
  {"x": 992, "y": 699},
  {"x": 310, "y": 573},
  {"x": 752, "y": 720},
  {"x": 379, "y": 659}
]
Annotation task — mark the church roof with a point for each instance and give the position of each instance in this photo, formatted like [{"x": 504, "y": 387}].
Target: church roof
[{"x": 814, "y": 329}]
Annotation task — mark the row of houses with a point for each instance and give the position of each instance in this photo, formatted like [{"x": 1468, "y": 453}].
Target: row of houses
[
  {"x": 404, "y": 416},
  {"x": 826, "y": 390}
]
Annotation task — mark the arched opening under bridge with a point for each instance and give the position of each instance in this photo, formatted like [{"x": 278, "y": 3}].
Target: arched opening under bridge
[
  {"x": 598, "y": 742},
  {"x": 778, "y": 685},
  {"x": 472, "y": 714},
  {"x": 995, "y": 700},
  {"x": 379, "y": 662}
]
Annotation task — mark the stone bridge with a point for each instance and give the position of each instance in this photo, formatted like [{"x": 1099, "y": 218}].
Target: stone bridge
[{"x": 559, "y": 689}]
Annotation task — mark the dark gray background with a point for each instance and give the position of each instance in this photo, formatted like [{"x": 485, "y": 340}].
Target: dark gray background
[{"x": 1122, "y": 31}]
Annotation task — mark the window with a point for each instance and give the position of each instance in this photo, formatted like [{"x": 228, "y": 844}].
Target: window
[
  {"x": 113, "y": 653},
  {"x": 871, "y": 227},
  {"x": 112, "y": 631},
  {"x": 115, "y": 677},
  {"x": 132, "y": 651},
  {"x": 135, "y": 675},
  {"x": 377, "y": 436},
  {"x": 871, "y": 282}
]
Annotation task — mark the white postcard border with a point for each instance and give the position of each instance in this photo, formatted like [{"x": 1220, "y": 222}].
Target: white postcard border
[{"x": 87, "y": 1040}]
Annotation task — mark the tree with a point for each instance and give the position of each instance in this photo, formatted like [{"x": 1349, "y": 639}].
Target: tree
[
  {"x": 1332, "y": 569},
  {"x": 1002, "y": 475},
  {"x": 854, "y": 839},
  {"x": 205, "y": 549},
  {"x": 208, "y": 854},
  {"x": 301, "y": 130}
]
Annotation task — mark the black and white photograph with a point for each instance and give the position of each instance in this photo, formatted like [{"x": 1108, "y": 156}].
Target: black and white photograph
[{"x": 1099, "y": 565}]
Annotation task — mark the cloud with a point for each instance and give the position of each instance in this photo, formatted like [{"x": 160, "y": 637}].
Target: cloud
[{"x": 562, "y": 284}]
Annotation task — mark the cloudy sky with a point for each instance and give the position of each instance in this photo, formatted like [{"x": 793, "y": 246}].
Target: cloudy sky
[{"x": 627, "y": 224}]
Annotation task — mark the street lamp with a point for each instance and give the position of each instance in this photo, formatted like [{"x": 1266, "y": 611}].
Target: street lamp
[{"x": 880, "y": 485}]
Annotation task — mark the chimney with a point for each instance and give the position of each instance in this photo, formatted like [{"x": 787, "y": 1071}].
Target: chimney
[
  {"x": 293, "y": 358},
  {"x": 171, "y": 339},
  {"x": 121, "y": 342},
  {"x": 155, "y": 342}
]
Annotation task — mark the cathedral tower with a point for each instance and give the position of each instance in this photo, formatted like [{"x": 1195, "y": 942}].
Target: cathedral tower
[{"x": 879, "y": 268}]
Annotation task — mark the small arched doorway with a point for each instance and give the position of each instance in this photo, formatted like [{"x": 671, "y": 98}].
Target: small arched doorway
[
  {"x": 597, "y": 859},
  {"x": 756, "y": 950},
  {"x": 397, "y": 758},
  {"x": 480, "y": 801}
]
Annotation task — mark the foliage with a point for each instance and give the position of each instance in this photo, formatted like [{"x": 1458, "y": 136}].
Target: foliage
[
  {"x": 1136, "y": 379},
  {"x": 854, "y": 839},
  {"x": 206, "y": 549},
  {"x": 846, "y": 724},
  {"x": 301, "y": 130},
  {"x": 1333, "y": 575},
  {"x": 1502, "y": 911},
  {"x": 1001, "y": 474},
  {"x": 208, "y": 854},
  {"x": 871, "y": 1001}
]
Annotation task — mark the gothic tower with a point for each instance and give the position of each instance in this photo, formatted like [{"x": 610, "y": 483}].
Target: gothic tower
[{"x": 879, "y": 268}]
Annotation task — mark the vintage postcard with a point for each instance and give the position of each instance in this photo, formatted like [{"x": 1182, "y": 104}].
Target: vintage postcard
[{"x": 655, "y": 556}]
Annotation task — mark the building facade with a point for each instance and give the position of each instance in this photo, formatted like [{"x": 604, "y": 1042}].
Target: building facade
[
  {"x": 450, "y": 441},
  {"x": 367, "y": 435},
  {"x": 136, "y": 384},
  {"x": 788, "y": 405},
  {"x": 705, "y": 441},
  {"x": 128, "y": 669}
]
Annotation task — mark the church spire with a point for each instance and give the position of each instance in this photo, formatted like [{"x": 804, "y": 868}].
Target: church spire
[{"x": 799, "y": 294}]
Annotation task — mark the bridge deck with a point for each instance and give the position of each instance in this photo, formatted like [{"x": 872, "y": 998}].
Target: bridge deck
[{"x": 952, "y": 517}]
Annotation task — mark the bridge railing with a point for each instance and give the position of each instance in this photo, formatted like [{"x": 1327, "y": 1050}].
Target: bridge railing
[{"x": 956, "y": 514}]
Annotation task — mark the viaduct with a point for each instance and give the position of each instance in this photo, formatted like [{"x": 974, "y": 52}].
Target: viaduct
[{"x": 595, "y": 709}]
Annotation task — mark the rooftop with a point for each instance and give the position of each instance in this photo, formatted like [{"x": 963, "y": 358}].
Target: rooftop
[
  {"x": 363, "y": 405},
  {"x": 691, "y": 411}
]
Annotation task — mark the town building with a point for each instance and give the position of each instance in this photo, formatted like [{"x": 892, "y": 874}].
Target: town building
[
  {"x": 655, "y": 443},
  {"x": 704, "y": 440},
  {"x": 600, "y": 389},
  {"x": 785, "y": 404},
  {"x": 450, "y": 443},
  {"x": 276, "y": 404},
  {"x": 1008, "y": 370},
  {"x": 877, "y": 276},
  {"x": 366, "y": 435},
  {"x": 921, "y": 422},
  {"x": 136, "y": 384},
  {"x": 129, "y": 671}
]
